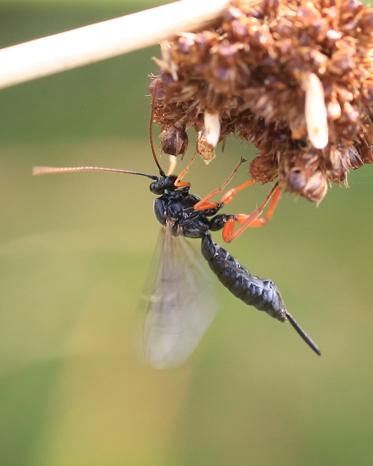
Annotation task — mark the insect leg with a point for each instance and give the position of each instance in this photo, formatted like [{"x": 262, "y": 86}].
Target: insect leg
[
  {"x": 232, "y": 193},
  {"x": 255, "y": 219},
  {"x": 179, "y": 183},
  {"x": 205, "y": 203}
]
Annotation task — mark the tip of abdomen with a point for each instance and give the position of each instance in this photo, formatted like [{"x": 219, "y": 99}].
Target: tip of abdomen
[{"x": 303, "y": 334}]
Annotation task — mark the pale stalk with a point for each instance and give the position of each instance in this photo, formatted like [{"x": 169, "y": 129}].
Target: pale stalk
[{"x": 96, "y": 42}]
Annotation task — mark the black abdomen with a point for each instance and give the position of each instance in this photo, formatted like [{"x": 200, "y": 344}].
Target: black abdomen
[{"x": 260, "y": 293}]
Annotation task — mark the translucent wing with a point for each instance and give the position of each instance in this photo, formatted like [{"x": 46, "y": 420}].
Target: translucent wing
[{"x": 182, "y": 305}]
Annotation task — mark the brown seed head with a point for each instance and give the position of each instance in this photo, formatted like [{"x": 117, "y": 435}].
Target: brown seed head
[
  {"x": 294, "y": 78},
  {"x": 174, "y": 141}
]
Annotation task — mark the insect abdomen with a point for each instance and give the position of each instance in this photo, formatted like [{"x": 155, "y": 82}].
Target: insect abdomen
[{"x": 260, "y": 293}]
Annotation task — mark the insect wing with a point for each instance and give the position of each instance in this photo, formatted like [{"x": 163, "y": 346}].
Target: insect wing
[{"x": 182, "y": 304}]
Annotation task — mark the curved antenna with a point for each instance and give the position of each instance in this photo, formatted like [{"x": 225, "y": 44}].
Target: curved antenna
[
  {"x": 154, "y": 91},
  {"x": 57, "y": 170},
  {"x": 302, "y": 333}
]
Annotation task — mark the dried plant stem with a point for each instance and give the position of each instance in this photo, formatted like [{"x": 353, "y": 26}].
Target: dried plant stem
[{"x": 89, "y": 44}]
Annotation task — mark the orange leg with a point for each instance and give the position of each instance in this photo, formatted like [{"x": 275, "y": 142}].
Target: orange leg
[
  {"x": 178, "y": 182},
  {"x": 205, "y": 203},
  {"x": 232, "y": 193},
  {"x": 255, "y": 219}
]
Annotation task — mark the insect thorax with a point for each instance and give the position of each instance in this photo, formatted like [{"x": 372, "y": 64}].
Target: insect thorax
[{"x": 176, "y": 209}]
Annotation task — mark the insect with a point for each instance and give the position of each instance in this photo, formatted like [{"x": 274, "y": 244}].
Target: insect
[{"x": 180, "y": 308}]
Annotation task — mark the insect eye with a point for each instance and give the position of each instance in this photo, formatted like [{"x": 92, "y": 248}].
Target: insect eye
[{"x": 156, "y": 187}]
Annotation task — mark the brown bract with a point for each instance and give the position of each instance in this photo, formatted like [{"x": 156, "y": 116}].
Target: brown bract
[{"x": 252, "y": 68}]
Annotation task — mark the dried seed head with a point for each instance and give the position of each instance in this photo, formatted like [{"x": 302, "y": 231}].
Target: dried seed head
[
  {"x": 204, "y": 148},
  {"x": 294, "y": 78},
  {"x": 302, "y": 174},
  {"x": 174, "y": 141},
  {"x": 165, "y": 63}
]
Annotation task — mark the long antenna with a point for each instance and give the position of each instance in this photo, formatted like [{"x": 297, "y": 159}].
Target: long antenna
[
  {"x": 303, "y": 334},
  {"x": 154, "y": 92},
  {"x": 57, "y": 170}
]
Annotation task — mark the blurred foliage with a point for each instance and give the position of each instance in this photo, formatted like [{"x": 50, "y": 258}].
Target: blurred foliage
[{"x": 74, "y": 254}]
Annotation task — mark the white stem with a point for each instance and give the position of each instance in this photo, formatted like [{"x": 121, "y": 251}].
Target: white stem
[
  {"x": 315, "y": 111},
  {"x": 89, "y": 44},
  {"x": 212, "y": 128},
  {"x": 172, "y": 164}
]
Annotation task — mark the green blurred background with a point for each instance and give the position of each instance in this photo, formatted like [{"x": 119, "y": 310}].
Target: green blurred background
[{"x": 74, "y": 256}]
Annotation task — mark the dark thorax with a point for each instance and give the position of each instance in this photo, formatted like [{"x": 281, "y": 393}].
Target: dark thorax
[{"x": 175, "y": 207}]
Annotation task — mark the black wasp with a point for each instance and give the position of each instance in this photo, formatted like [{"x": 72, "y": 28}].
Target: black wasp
[
  {"x": 181, "y": 305},
  {"x": 181, "y": 308}
]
